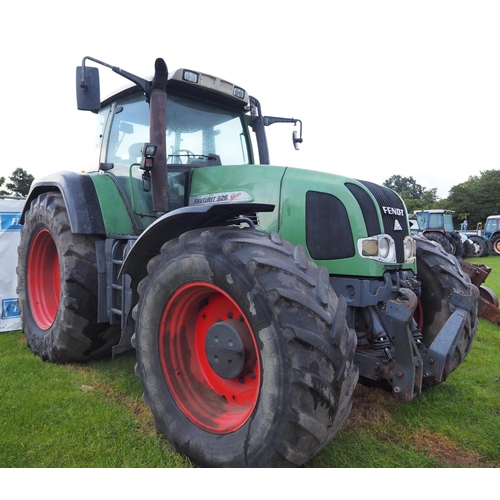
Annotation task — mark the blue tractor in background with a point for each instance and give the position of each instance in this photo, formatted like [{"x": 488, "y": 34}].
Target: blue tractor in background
[
  {"x": 437, "y": 225},
  {"x": 491, "y": 233}
]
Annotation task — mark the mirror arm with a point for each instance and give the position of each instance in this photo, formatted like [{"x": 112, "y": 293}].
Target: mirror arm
[
  {"x": 269, "y": 120},
  {"x": 144, "y": 85}
]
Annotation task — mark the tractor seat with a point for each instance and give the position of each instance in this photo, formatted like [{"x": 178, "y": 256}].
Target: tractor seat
[{"x": 135, "y": 153}]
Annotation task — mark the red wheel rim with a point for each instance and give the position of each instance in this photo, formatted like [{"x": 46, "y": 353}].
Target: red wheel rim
[
  {"x": 43, "y": 279},
  {"x": 418, "y": 315},
  {"x": 216, "y": 404}
]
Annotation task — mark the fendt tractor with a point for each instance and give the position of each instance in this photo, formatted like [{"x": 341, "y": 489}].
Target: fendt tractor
[{"x": 254, "y": 296}]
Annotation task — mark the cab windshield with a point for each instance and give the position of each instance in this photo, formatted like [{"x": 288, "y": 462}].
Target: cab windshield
[
  {"x": 492, "y": 225},
  {"x": 198, "y": 134}
]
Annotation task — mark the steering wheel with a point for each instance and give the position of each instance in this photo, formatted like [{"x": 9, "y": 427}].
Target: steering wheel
[{"x": 182, "y": 153}]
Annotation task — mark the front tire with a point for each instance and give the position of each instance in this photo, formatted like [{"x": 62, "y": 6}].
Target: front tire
[
  {"x": 440, "y": 275},
  {"x": 469, "y": 249},
  {"x": 280, "y": 392},
  {"x": 57, "y": 286},
  {"x": 480, "y": 246},
  {"x": 457, "y": 247}
]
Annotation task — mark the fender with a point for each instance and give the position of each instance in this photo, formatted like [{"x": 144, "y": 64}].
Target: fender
[
  {"x": 173, "y": 224},
  {"x": 80, "y": 198}
]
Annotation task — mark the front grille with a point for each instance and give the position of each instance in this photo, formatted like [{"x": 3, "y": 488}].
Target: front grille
[
  {"x": 328, "y": 230},
  {"x": 394, "y": 216}
]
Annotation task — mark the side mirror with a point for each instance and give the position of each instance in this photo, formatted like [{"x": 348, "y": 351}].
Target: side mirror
[
  {"x": 296, "y": 139},
  {"x": 88, "y": 93}
]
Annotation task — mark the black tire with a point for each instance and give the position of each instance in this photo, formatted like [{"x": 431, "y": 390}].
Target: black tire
[
  {"x": 295, "y": 378},
  {"x": 495, "y": 245},
  {"x": 440, "y": 239},
  {"x": 57, "y": 286},
  {"x": 440, "y": 275},
  {"x": 489, "y": 247},
  {"x": 469, "y": 249},
  {"x": 480, "y": 246},
  {"x": 456, "y": 245},
  {"x": 489, "y": 295}
]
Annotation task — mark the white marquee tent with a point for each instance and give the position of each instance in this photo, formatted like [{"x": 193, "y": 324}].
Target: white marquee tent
[{"x": 10, "y": 212}]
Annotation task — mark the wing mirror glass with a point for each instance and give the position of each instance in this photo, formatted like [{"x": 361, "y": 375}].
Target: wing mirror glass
[{"x": 88, "y": 93}]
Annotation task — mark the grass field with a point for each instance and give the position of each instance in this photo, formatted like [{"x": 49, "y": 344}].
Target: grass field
[{"x": 91, "y": 415}]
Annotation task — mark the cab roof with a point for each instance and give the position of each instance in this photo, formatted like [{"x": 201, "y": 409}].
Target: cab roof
[{"x": 191, "y": 82}]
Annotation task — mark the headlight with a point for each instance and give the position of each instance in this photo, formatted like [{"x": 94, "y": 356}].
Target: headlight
[
  {"x": 190, "y": 76},
  {"x": 384, "y": 248},
  {"x": 238, "y": 92},
  {"x": 380, "y": 247},
  {"x": 369, "y": 248},
  {"x": 410, "y": 249}
]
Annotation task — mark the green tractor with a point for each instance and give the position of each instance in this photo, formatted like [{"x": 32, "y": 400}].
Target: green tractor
[{"x": 254, "y": 296}]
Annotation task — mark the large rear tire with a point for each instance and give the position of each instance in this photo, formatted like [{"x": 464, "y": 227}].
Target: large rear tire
[
  {"x": 495, "y": 245},
  {"x": 440, "y": 275},
  {"x": 243, "y": 349},
  {"x": 440, "y": 239},
  {"x": 57, "y": 286}
]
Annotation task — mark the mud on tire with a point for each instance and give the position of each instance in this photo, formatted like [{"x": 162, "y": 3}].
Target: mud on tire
[
  {"x": 440, "y": 275},
  {"x": 292, "y": 390},
  {"x": 57, "y": 286}
]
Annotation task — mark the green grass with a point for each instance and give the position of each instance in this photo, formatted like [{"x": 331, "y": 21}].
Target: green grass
[
  {"x": 92, "y": 415},
  {"x": 74, "y": 415}
]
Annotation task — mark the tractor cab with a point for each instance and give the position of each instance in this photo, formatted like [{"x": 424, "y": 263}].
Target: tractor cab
[
  {"x": 437, "y": 225},
  {"x": 441, "y": 220},
  {"x": 205, "y": 121}
]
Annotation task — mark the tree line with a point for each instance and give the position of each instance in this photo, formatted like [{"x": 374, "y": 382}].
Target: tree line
[
  {"x": 472, "y": 200},
  {"x": 19, "y": 185}
]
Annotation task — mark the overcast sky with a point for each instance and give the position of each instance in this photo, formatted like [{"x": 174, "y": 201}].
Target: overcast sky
[{"x": 382, "y": 87}]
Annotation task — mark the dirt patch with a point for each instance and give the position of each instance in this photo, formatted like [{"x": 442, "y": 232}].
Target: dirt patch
[
  {"x": 373, "y": 409},
  {"x": 142, "y": 414},
  {"x": 446, "y": 452},
  {"x": 371, "y": 406}
]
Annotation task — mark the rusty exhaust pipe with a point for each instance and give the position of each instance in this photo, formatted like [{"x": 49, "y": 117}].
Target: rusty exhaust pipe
[{"x": 158, "y": 136}]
